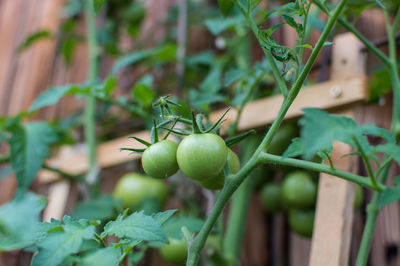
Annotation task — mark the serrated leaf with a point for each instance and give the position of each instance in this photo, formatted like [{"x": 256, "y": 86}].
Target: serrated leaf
[
  {"x": 56, "y": 246},
  {"x": 137, "y": 226},
  {"x": 296, "y": 148},
  {"x": 20, "y": 221},
  {"x": 161, "y": 217},
  {"x": 97, "y": 4},
  {"x": 34, "y": 37},
  {"x": 218, "y": 25},
  {"x": 54, "y": 94},
  {"x": 371, "y": 129},
  {"x": 108, "y": 256},
  {"x": 389, "y": 195},
  {"x": 292, "y": 23},
  {"x": 29, "y": 146}
]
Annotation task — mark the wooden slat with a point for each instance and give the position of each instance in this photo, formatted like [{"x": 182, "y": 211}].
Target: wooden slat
[
  {"x": 334, "y": 213},
  {"x": 255, "y": 114},
  {"x": 263, "y": 112},
  {"x": 57, "y": 199}
]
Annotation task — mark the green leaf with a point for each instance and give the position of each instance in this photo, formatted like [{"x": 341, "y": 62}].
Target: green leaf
[
  {"x": 212, "y": 83},
  {"x": 390, "y": 195},
  {"x": 54, "y": 94},
  {"x": 218, "y": 25},
  {"x": 34, "y": 37},
  {"x": 56, "y": 246},
  {"x": 103, "y": 208},
  {"x": 142, "y": 91},
  {"x": 20, "y": 221},
  {"x": 296, "y": 148},
  {"x": 204, "y": 58},
  {"x": 234, "y": 75},
  {"x": 137, "y": 226},
  {"x": 163, "y": 53},
  {"x": 391, "y": 149},
  {"x": 379, "y": 84},
  {"x": 29, "y": 146},
  {"x": 161, "y": 217},
  {"x": 371, "y": 129},
  {"x": 172, "y": 227},
  {"x": 97, "y": 4},
  {"x": 108, "y": 256},
  {"x": 292, "y": 23}
]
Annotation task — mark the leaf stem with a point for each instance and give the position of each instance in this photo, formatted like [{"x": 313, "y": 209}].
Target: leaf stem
[
  {"x": 361, "y": 180},
  {"x": 235, "y": 180},
  {"x": 366, "y": 161},
  {"x": 372, "y": 215},
  {"x": 90, "y": 120}
]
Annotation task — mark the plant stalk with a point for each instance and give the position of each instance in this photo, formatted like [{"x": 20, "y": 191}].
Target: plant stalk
[
  {"x": 234, "y": 181},
  {"x": 90, "y": 119},
  {"x": 361, "y": 180}
]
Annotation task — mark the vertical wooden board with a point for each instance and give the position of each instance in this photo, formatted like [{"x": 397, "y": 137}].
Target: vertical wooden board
[
  {"x": 57, "y": 200},
  {"x": 334, "y": 213}
]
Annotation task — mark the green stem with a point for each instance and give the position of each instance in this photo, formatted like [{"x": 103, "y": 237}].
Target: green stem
[
  {"x": 235, "y": 180},
  {"x": 279, "y": 79},
  {"x": 64, "y": 174},
  {"x": 366, "y": 162},
  {"x": 372, "y": 215},
  {"x": 393, "y": 70},
  {"x": 361, "y": 180},
  {"x": 90, "y": 122},
  {"x": 385, "y": 60}
]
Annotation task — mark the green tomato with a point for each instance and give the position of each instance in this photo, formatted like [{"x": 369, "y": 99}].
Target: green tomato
[
  {"x": 202, "y": 156},
  {"x": 218, "y": 182},
  {"x": 302, "y": 221},
  {"x": 282, "y": 138},
  {"x": 358, "y": 196},
  {"x": 174, "y": 252},
  {"x": 159, "y": 160},
  {"x": 271, "y": 197},
  {"x": 299, "y": 190},
  {"x": 133, "y": 189}
]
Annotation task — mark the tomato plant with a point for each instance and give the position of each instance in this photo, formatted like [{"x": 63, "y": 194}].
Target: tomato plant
[
  {"x": 230, "y": 76},
  {"x": 133, "y": 189}
]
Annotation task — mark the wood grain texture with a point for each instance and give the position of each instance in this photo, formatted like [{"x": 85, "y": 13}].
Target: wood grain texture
[{"x": 334, "y": 212}]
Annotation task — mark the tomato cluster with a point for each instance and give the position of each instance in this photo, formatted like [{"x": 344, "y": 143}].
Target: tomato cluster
[{"x": 296, "y": 191}]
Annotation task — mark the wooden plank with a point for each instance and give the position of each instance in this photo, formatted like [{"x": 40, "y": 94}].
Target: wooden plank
[
  {"x": 57, "y": 200},
  {"x": 334, "y": 212},
  {"x": 318, "y": 96},
  {"x": 263, "y": 112}
]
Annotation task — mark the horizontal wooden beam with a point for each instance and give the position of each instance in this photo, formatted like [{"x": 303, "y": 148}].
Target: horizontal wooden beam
[{"x": 327, "y": 95}]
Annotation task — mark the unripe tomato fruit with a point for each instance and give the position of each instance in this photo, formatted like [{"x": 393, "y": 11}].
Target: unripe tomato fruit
[
  {"x": 218, "y": 182},
  {"x": 202, "y": 156},
  {"x": 358, "y": 196},
  {"x": 299, "y": 190},
  {"x": 133, "y": 189},
  {"x": 174, "y": 252},
  {"x": 302, "y": 221},
  {"x": 271, "y": 197},
  {"x": 159, "y": 160}
]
